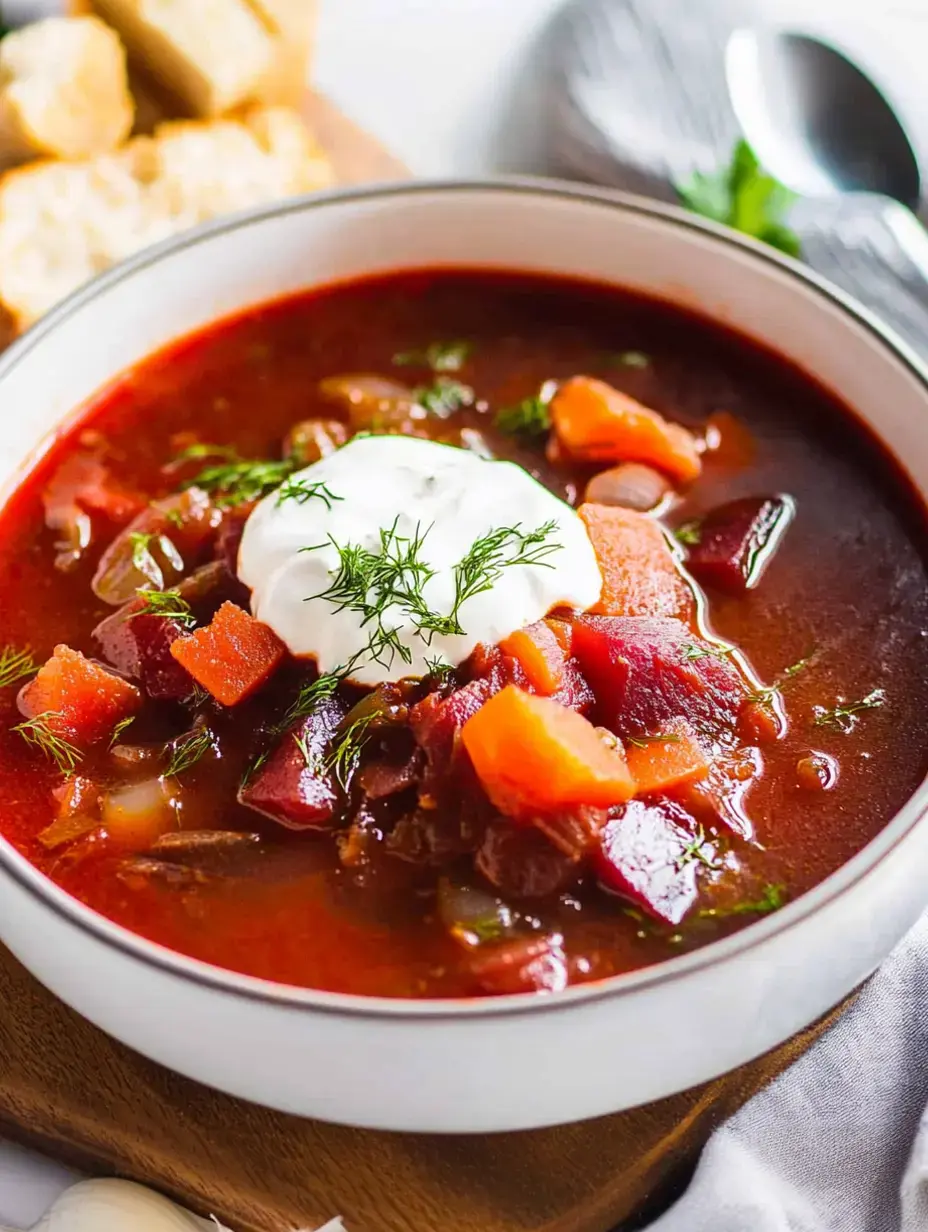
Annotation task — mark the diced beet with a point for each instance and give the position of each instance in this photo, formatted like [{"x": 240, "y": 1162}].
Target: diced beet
[
  {"x": 230, "y": 534},
  {"x": 383, "y": 778},
  {"x": 738, "y": 540},
  {"x": 293, "y": 788},
  {"x": 522, "y": 863},
  {"x": 524, "y": 964},
  {"x": 436, "y": 723},
  {"x": 645, "y": 672},
  {"x": 574, "y": 692},
  {"x": 641, "y": 858},
  {"x": 138, "y": 644}
]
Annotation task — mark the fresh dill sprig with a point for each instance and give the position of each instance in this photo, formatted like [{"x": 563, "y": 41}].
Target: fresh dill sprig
[
  {"x": 695, "y": 850},
  {"x": 692, "y": 652},
  {"x": 642, "y": 742},
  {"x": 530, "y": 418},
  {"x": 187, "y": 750},
  {"x": 120, "y": 728},
  {"x": 772, "y": 898},
  {"x": 439, "y": 356},
  {"x": 38, "y": 732},
  {"x": 444, "y": 397},
  {"x": 237, "y": 481},
  {"x": 309, "y": 757},
  {"x": 844, "y": 717},
  {"x": 438, "y": 668},
  {"x": 16, "y": 665},
  {"x": 799, "y": 666},
  {"x": 484, "y": 563},
  {"x": 301, "y": 491},
  {"x": 168, "y": 604},
  {"x": 689, "y": 534},
  {"x": 345, "y": 753}
]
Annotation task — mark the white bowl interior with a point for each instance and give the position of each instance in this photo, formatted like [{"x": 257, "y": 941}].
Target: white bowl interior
[{"x": 473, "y": 1066}]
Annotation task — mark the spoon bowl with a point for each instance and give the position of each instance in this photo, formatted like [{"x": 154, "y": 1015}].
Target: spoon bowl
[{"x": 815, "y": 120}]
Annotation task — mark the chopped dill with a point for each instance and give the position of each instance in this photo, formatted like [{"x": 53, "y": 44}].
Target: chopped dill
[
  {"x": 310, "y": 759},
  {"x": 174, "y": 517},
  {"x": 343, "y": 757},
  {"x": 301, "y": 491},
  {"x": 120, "y": 728},
  {"x": 689, "y": 534},
  {"x": 844, "y": 717},
  {"x": 165, "y": 603},
  {"x": 692, "y": 652},
  {"x": 695, "y": 851},
  {"x": 237, "y": 481},
  {"x": 772, "y": 898},
  {"x": 642, "y": 741},
  {"x": 16, "y": 665},
  {"x": 142, "y": 558},
  {"x": 799, "y": 666},
  {"x": 530, "y": 418},
  {"x": 439, "y": 356},
  {"x": 187, "y": 750},
  {"x": 438, "y": 668},
  {"x": 444, "y": 397},
  {"x": 38, "y": 732}
]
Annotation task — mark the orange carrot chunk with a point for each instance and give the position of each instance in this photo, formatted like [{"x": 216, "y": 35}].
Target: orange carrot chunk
[
  {"x": 597, "y": 423},
  {"x": 640, "y": 574},
  {"x": 82, "y": 702},
  {"x": 666, "y": 759},
  {"x": 540, "y": 652},
  {"x": 232, "y": 656},
  {"x": 533, "y": 755}
]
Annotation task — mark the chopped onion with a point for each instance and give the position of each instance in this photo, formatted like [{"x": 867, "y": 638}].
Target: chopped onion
[
  {"x": 136, "y": 814},
  {"x": 472, "y": 916},
  {"x": 372, "y": 401}
]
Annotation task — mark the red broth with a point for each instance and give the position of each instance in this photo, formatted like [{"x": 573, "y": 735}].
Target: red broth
[{"x": 844, "y": 597}]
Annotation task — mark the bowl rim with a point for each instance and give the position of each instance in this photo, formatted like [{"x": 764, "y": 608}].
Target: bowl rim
[{"x": 353, "y": 1005}]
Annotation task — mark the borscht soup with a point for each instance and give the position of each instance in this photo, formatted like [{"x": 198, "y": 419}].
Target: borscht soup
[{"x": 456, "y": 634}]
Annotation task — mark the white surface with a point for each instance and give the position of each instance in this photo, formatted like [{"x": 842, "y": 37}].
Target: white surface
[{"x": 449, "y": 86}]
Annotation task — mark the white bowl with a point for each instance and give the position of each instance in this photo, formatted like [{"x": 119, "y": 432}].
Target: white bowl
[{"x": 509, "y": 1062}]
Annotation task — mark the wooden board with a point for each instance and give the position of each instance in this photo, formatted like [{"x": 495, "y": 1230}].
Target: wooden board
[{"x": 70, "y": 1090}]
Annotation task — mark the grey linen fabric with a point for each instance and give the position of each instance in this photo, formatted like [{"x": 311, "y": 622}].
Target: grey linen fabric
[{"x": 839, "y": 1142}]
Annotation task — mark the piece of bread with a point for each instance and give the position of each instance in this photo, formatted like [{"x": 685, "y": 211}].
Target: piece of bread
[
  {"x": 62, "y": 223},
  {"x": 212, "y": 55},
  {"x": 292, "y": 23},
  {"x": 63, "y": 90}
]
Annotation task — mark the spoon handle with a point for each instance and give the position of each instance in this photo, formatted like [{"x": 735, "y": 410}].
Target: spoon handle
[{"x": 877, "y": 251}]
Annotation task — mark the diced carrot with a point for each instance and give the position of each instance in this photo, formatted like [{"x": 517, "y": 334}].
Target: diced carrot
[
  {"x": 563, "y": 630},
  {"x": 597, "y": 423},
  {"x": 232, "y": 656},
  {"x": 640, "y": 575},
  {"x": 540, "y": 653},
  {"x": 533, "y": 755},
  {"x": 82, "y": 702},
  {"x": 666, "y": 759}
]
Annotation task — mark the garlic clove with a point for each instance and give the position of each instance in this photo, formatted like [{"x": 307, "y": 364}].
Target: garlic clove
[{"x": 119, "y": 1206}]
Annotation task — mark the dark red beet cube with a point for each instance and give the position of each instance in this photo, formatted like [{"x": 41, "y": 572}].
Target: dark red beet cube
[
  {"x": 645, "y": 671},
  {"x": 293, "y": 787},
  {"x": 139, "y": 645},
  {"x": 642, "y": 858},
  {"x": 738, "y": 540}
]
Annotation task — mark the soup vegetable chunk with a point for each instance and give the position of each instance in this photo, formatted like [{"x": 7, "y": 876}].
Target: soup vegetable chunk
[{"x": 457, "y": 634}]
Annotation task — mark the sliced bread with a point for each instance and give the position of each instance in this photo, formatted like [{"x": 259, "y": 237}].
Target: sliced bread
[
  {"x": 62, "y": 223},
  {"x": 63, "y": 90}
]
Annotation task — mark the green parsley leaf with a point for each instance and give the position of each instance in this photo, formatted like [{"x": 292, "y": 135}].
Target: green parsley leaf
[{"x": 743, "y": 196}]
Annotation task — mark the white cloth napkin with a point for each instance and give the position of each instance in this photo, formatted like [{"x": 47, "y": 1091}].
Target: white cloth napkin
[{"x": 839, "y": 1142}]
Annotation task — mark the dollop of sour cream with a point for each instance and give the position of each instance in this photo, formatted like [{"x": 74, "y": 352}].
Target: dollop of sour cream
[{"x": 433, "y": 503}]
